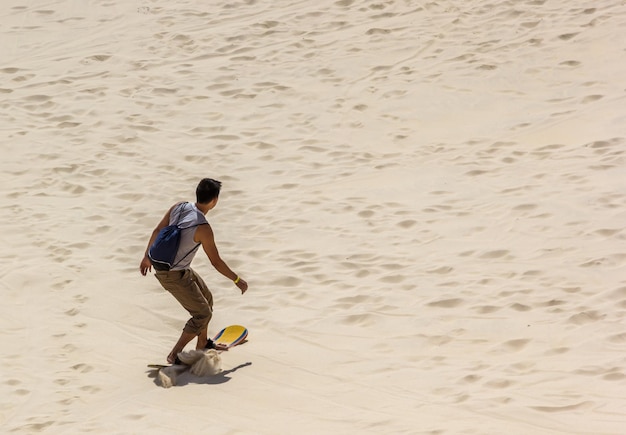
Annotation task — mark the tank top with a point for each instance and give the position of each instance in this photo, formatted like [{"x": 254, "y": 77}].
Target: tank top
[{"x": 188, "y": 217}]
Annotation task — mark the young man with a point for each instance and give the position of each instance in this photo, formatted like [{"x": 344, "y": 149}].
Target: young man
[{"x": 181, "y": 281}]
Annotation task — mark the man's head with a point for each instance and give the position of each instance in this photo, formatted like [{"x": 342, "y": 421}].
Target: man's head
[{"x": 208, "y": 191}]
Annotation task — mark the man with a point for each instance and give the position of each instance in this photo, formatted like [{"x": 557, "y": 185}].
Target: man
[{"x": 183, "y": 282}]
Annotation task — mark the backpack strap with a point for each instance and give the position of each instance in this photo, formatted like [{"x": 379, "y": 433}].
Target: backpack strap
[
  {"x": 181, "y": 207},
  {"x": 180, "y": 213},
  {"x": 186, "y": 255}
]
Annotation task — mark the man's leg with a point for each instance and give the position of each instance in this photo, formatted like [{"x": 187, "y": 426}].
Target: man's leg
[
  {"x": 186, "y": 288},
  {"x": 185, "y": 338},
  {"x": 203, "y": 338},
  {"x": 203, "y": 335}
]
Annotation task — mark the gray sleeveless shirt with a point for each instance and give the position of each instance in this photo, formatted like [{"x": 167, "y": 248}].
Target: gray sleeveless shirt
[{"x": 188, "y": 217}]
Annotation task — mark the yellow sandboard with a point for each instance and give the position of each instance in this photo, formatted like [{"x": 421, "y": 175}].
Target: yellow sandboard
[{"x": 231, "y": 335}]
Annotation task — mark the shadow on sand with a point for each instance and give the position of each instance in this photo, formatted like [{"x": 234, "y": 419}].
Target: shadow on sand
[{"x": 185, "y": 377}]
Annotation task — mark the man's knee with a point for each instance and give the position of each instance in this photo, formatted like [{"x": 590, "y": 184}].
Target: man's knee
[
  {"x": 205, "y": 315},
  {"x": 199, "y": 321}
]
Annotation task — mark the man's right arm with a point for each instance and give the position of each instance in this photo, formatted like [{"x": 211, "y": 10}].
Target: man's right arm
[{"x": 204, "y": 235}]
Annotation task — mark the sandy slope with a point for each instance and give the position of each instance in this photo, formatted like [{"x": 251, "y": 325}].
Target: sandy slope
[{"x": 426, "y": 197}]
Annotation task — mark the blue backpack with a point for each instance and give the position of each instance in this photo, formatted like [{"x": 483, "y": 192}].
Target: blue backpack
[{"x": 163, "y": 251}]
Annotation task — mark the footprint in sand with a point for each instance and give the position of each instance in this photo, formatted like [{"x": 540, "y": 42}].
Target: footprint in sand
[
  {"x": 516, "y": 345},
  {"x": 566, "y": 408},
  {"x": 82, "y": 368},
  {"x": 446, "y": 303},
  {"x": 500, "y": 253},
  {"x": 586, "y": 317}
]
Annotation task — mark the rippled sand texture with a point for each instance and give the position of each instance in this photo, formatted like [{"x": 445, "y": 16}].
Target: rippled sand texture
[{"x": 426, "y": 197}]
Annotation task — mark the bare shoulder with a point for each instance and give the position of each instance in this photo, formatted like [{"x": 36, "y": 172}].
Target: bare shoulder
[{"x": 203, "y": 233}]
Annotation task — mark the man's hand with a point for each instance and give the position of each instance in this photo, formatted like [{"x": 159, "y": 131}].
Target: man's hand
[
  {"x": 145, "y": 266},
  {"x": 243, "y": 285}
]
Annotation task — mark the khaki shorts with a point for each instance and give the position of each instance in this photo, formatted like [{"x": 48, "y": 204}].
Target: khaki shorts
[{"x": 192, "y": 293}]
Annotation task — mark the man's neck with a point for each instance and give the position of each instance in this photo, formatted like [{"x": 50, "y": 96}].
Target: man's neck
[{"x": 204, "y": 208}]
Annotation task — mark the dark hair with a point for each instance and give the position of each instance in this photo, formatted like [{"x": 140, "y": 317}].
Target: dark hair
[{"x": 208, "y": 189}]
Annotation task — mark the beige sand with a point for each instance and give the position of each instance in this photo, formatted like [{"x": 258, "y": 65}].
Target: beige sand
[{"x": 426, "y": 197}]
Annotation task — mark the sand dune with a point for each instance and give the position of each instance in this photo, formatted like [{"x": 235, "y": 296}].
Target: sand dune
[{"x": 426, "y": 197}]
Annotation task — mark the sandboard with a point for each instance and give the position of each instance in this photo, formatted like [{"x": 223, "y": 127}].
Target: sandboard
[{"x": 230, "y": 336}]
